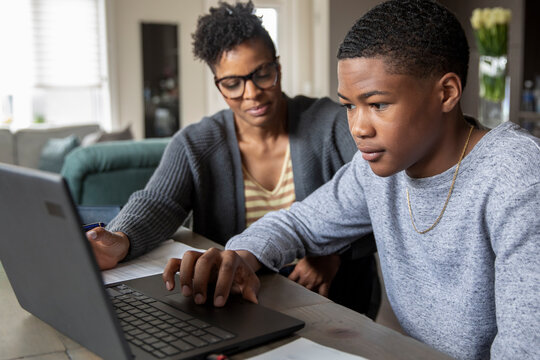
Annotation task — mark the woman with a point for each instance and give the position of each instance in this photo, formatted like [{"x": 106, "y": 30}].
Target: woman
[{"x": 260, "y": 155}]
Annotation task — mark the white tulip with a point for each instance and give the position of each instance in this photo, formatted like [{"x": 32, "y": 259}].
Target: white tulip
[{"x": 476, "y": 19}]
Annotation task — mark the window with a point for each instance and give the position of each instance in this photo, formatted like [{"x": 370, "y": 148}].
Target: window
[
  {"x": 270, "y": 22},
  {"x": 63, "y": 76}
]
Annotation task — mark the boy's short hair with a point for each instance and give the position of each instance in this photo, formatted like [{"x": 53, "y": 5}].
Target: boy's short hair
[
  {"x": 414, "y": 37},
  {"x": 225, "y": 27}
]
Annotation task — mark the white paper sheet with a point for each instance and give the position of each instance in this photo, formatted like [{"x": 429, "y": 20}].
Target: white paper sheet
[
  {"x": 304, "y": 349},
  {"x": 149, "y": 264}
]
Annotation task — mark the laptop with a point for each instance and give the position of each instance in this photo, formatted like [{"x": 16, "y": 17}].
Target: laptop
[{"x": 54, "y": 275}]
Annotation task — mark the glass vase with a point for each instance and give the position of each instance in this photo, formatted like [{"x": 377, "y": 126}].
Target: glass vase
[{"x": 494, "y": 101}]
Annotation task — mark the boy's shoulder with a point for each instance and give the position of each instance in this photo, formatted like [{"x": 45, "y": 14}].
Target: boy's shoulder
[
  {"x": 509, "y": 155},
  {"x": 511, "y": 142}
]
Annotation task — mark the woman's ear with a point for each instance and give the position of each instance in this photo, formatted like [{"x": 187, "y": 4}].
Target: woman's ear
[
  {"x": 278, "y": 68},
  {"x": 451, "y": 89}
]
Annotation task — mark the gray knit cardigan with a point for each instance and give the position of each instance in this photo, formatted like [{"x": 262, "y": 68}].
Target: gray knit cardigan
[{"x": 201, "y": 172}]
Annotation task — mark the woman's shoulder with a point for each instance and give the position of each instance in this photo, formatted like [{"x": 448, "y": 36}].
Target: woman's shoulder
[
  {"x": 316, "y": 114},
  {"x": 209, "y": 134},
  {"x": 307, "y": 104}
]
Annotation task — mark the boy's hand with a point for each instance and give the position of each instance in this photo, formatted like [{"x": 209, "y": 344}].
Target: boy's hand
[
  {"x": 109, "y": 248},
  {"x": 316, "y": 273},
  {"x": 232, "y": 271}
]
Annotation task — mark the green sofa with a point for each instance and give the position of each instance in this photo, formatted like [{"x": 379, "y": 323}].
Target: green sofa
[{"x": 106, "y": 174}]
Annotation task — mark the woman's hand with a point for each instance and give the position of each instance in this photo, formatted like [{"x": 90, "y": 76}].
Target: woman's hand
[
  {"x": 109, "y": 248},
  {"x": 316, "y": 273},
  {"x": 232, "y": 270}
]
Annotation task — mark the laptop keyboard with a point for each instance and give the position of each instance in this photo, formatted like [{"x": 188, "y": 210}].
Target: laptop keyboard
[{"x": 158, "y": 328}]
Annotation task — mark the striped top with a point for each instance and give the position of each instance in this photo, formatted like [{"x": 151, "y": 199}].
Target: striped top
[{"x": 259, "y": 200}]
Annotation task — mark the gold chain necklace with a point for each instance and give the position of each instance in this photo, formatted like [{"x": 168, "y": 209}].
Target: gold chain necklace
[{"x": 449, "y": 191}]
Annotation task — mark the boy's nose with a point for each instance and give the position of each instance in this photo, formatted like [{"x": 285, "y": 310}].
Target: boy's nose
[{"x": 360, "y": 125}]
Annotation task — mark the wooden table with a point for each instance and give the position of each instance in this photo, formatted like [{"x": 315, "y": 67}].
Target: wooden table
[{"x": 23, "y": 336}]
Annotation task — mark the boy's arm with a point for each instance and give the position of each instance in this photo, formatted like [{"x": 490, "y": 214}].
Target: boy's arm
[
  {"x": 326, "y": 222},
  {"x": 516, "y": 243}
]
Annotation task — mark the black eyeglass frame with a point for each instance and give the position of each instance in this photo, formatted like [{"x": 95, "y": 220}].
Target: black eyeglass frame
[{"x": 247, "y": 77}]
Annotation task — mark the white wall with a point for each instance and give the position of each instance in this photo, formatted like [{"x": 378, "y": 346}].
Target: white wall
[
  {"x": 303, "y": 49},
  {"x": 343, "y": 14},
  {"x": 124, "y": 48}
]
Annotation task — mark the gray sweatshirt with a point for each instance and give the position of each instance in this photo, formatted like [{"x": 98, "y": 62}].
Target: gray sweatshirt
[{"x": 470, "y": 286}]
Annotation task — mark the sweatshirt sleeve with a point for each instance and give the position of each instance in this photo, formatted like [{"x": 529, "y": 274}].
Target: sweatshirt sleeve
[
  {"x": 326, "y": 222},
  {"x": 153, "y": 214},
  {"x": 516, "y": 244}
]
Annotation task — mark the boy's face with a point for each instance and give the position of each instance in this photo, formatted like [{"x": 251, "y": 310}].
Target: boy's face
[{"x": 395, "y": 120}]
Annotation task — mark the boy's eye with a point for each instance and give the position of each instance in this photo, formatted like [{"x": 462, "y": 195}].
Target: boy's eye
[
  {"x": 349, "y": 107},
  {"x": 379, "y": 106}
]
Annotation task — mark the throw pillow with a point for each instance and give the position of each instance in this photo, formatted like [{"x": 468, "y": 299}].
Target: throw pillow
[
  {"x": 91, "y": 139},
  {"x": 117, "y": 135},
  {"x": 101, "y": 136},
  {"x": 54, "y": 152}
]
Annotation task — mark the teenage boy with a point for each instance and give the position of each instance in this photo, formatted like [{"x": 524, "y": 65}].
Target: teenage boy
[{"x": 454, "y": 207}]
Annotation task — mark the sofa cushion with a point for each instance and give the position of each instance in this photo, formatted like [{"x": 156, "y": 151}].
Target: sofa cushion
[
  {"x": 108, "y": 173},
  {"x": 54, "y": 152}
]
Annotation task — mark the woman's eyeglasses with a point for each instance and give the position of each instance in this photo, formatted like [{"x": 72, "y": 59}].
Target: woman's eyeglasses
[{"x": 264, "y": 77}]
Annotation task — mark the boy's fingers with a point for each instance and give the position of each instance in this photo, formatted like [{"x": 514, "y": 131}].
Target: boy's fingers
[
  {"x": 251, "y": 288},
  {"x": 172, "y": 267},
  {"x": 295, "y": 275},
  {"x": 226, "y": 275},
  {"x": 187, "y": 267},
  {"x": 324, "y": 289},
  {"x": 203, "y": 268}
]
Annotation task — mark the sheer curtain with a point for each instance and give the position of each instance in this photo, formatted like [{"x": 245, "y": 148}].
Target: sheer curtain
[{"x": 62, "y": 74}]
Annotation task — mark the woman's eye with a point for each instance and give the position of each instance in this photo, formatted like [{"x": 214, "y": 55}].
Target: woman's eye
[
  {"x": 379, "y": 106},
  {"x": 262, "y": 74},
  {"x": 230, "y": 83},
  {"x": 349, "y": 107}
]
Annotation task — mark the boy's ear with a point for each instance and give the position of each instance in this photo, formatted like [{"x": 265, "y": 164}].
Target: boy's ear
[{"x": 450, "y": 85}]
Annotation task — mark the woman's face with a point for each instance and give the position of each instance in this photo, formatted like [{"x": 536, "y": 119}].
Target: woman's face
[{"x": 256, "y": 107}]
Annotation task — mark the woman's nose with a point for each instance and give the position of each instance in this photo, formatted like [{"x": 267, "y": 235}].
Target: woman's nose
[{"x": 250, "y": 90}]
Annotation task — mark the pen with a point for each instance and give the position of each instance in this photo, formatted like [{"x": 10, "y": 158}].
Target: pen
[{"x": 93, "y": 225}]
